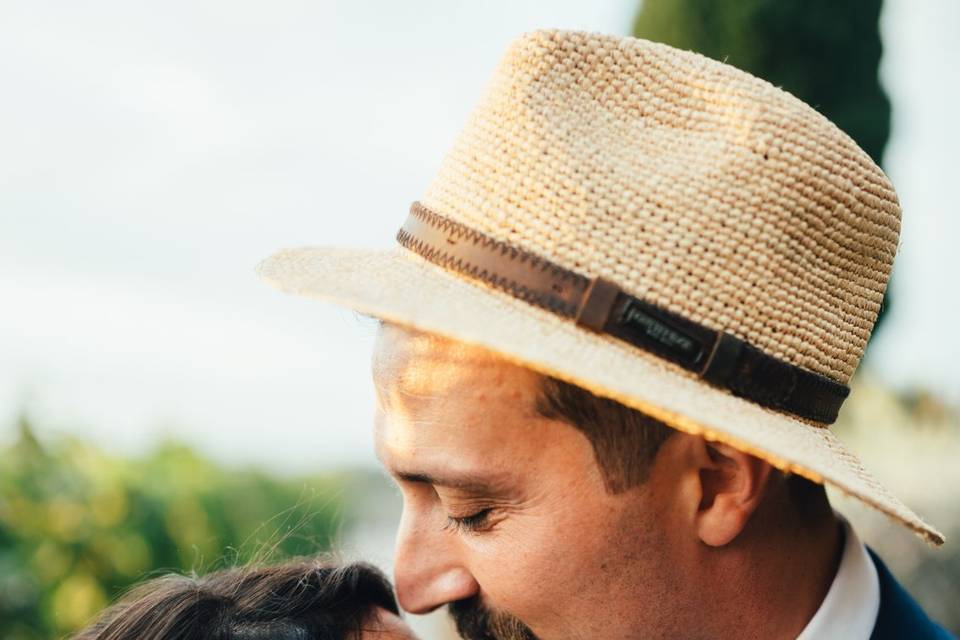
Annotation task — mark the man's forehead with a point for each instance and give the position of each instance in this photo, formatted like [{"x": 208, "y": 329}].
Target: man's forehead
[
  {"x": 416, "y": 363},
  {"x": 462, "y": 452},
  {"x": 450, "y": 411},
  {"x": 447, "y": 471}
]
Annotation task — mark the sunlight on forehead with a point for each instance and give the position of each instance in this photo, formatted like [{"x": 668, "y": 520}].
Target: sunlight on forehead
[
  {"x": 450, "y": 448},
  {"x": 410, "y": 365},
  {"x": 450, "y": 411},
  {"x": 441, "y": 458}
]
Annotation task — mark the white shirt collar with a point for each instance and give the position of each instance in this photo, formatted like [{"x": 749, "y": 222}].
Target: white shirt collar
[{"x": 850, "y": 608}]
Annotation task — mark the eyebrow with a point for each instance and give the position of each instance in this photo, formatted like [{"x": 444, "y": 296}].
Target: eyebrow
[{"x": 467, "y": 482}]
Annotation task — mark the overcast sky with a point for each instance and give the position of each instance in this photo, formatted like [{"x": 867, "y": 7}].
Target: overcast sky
[{"x": 151, "y": 155}]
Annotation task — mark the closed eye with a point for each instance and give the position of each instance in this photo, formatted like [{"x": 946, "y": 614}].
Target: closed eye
[{"x": 473, "y": 522}]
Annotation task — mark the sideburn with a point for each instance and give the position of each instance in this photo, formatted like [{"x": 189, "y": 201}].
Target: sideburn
[{"x": 625, "y": 441}]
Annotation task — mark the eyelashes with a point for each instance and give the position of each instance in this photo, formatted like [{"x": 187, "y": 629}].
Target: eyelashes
[{"x": 472, "y": 523}]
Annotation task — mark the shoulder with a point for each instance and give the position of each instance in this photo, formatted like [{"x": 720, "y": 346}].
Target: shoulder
[{"x": 900, "y": 616}]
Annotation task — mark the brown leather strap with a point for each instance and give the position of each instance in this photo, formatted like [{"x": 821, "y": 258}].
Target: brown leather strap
[{"x": 600, "y": 305}]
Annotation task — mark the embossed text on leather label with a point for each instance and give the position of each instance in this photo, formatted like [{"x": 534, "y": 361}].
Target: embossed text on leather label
[{"x": 660, "y": 332}]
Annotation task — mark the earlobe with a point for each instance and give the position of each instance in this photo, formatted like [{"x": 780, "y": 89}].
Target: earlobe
[{"x": 733, "y": 484}]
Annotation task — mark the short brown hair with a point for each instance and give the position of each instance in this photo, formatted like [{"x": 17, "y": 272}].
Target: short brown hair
[
  {"x": 291, "y": 601},
  {"x": 625, "y": 441}
]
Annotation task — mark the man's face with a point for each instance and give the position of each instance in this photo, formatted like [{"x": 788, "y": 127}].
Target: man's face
[{"x": 505, "y": 512}]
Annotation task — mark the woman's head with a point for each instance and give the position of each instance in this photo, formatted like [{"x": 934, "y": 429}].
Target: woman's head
[{"x": 299, "y": 600}]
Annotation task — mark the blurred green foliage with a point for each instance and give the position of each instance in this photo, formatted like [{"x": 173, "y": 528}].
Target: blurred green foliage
[
  {"x": 77, "y": 527},
  {"x": 826, "y": 53}
]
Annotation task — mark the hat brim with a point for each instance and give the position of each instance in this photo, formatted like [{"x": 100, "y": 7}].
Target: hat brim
[{"x": 398, "y": 286}]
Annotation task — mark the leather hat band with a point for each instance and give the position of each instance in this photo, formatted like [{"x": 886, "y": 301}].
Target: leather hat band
[{"x": 720, "y": 358}]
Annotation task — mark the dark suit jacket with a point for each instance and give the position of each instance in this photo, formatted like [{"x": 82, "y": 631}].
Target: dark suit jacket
[{"x": 900, "y": 617}]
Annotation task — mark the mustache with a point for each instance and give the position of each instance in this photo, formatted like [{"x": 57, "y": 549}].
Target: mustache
[{"x": 477, "y": 622}]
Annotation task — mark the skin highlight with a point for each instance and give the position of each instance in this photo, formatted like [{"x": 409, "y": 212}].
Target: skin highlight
[
  {"x": 508, "y": 507},
  {"x": 385, "y": 625}
]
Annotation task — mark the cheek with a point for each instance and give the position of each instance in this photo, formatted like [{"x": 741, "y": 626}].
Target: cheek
[{"x": 551, "y": 565}]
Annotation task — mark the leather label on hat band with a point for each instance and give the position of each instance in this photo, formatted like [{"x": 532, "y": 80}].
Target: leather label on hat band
[
  {"x": 662, "y": 333},
  {"x": 597, "y": 304}
]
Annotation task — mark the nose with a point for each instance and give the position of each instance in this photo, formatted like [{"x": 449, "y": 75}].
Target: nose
[{"x": 428, "y": 571}]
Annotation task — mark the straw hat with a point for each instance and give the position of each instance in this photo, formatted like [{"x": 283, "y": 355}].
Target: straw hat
[{"x": 656, "y": 227}]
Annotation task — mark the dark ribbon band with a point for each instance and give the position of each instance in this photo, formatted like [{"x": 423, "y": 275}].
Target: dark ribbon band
[{"x": 718, "y": 357}]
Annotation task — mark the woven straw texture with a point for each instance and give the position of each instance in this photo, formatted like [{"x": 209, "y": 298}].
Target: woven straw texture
[{"x": 687, "y": 182}]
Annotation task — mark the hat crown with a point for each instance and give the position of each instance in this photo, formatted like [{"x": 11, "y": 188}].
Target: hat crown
[{"x": 689, "y": 183}]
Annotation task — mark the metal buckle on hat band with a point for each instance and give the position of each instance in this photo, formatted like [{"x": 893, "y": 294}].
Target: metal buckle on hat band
[{"x": 719, "y": 358}]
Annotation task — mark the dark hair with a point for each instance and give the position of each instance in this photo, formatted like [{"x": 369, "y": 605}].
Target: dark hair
[
  {"x": 626, "y": 441},
  {"x": 298, "y": 600}
]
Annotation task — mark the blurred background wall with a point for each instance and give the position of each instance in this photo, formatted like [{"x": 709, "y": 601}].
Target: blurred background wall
[{"x": 151, "y": 155}]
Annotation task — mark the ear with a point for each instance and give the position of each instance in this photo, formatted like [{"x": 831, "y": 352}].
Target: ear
[{"x": 732, "y": 486}]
